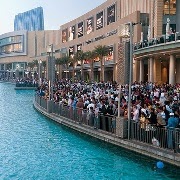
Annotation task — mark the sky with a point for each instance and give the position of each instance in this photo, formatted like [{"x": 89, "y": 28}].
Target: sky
[{"x": 56, "y": 12}]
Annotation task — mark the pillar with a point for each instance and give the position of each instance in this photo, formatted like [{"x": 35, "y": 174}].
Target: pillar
[
  {"x": 141, "y": 77},
  {"x": 121, "y": 127},
  {"x": 172, "y": 70},
  {"x": 5, "y": 67},
  {"x": 115, "y": 72},
  {"x": 5, "y": 71},
  {"x": 49, "y": 106},
  {"x": 151, "y": 70},
  {"x": 51, "y": 68},
  {"x": 177, "y": 16}
]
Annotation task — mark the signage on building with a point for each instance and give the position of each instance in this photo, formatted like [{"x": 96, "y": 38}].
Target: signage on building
[
  {"x": 71, "y": 34},
  {"x": 102, "y": 36},
  {"x": 79, "y": 47},
  {"x": 80, "y": 29},
  {"x": 64, "y": 35},
  {"x": 111, "y": 14},
  {"x": 99, "y": 20},
  {"x": 71, "y": 51},
  {"x": 90, "y": 25}
]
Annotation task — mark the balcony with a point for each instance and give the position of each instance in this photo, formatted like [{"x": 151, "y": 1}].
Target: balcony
[{"x": 157, "y": 45}]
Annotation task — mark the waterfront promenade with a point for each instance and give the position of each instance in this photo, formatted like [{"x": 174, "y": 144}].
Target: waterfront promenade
[{"x": 159, "y": 141}]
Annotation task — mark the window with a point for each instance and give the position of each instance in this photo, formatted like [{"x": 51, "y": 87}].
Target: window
[
  {"x": 99, "y": 20},
  {"x": 169, "y": 7}
]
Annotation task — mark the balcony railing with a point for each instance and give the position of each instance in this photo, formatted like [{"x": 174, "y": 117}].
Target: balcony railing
[{"x": 157, "y": 41}]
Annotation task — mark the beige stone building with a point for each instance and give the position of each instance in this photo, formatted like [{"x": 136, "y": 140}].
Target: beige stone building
[{"x": 100, "y": 26}]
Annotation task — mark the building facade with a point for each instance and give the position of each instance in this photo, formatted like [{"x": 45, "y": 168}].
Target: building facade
[
  {"x": 32, "y": 20},
  {"x": 19, "y": 48},
  {"x": 100, "y": 26},
  {"x": 158, "y": 59}
]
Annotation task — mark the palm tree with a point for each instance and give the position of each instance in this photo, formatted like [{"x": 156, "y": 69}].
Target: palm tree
[
  {"x": 58, "y": 63},
  {"x": 80, "y": 56},
  {"x": 35, "y": 62},
  {"x": 72, "y": 61},
  {"x": 90, "y": 55},
  {"x": 65, "y": 60},
  {"x": 101, "y": 52},
  {"x": 32, "y": 65}
]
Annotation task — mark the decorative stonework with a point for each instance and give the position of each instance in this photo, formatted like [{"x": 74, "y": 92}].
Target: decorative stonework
[
  {"x": 123, "y": 63},
  {"x": 121, "y": 127}
]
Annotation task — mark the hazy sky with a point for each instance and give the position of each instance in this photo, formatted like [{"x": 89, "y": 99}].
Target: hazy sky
[{"x": 56, "y": 12}]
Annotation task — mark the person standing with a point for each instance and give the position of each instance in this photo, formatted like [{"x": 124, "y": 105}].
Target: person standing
[
  {"x": 79, "y": 107},
  {"x": 172, "y": 124}
]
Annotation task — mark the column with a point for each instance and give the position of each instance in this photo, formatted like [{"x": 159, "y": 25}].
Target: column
[
  {"x": 157, "y": 18},
  {"x": 121, "y": 127},
  {"x": 141, "y": 77},
  {"x": 5, "y": 70},
  {"x": 151, "y": 70},
  {"x": 172, "y": 70},
  {"x": 177, "y": 16}
]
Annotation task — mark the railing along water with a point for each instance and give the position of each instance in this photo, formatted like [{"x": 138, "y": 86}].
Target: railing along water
[
  {"x": 162, "y": 137},
  {"x": 159, "y": 136},
  {"x": 81, "y": 116}
]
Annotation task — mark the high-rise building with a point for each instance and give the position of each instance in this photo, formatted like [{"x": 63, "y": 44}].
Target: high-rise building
[{"x": 32, "y": 20}]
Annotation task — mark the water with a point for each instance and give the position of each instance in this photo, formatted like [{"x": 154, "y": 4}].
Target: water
[{"x": 34, "y": 147}]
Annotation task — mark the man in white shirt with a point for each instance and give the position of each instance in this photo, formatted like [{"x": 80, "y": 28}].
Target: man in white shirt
[
  {"x": 91, "y": 104},
  {"x": 135, "y": 114}
]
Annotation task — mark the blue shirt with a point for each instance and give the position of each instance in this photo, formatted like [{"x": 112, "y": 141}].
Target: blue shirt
[{"x": 173, "y": 122}]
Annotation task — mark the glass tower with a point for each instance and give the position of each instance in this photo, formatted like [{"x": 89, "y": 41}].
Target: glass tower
[{"x": 32, "y": 20}]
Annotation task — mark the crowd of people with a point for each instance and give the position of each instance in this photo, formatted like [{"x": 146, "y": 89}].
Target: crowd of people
[
  {"x": 150, "y": 103},
  {"x": 153, "y": 106},
  {"x": 26, "y": 82}
]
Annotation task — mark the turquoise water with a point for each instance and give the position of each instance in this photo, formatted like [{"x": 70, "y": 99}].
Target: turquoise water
[{"x": 34, "y": 147}]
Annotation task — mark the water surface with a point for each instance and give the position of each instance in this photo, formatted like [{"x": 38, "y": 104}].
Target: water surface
[{"x": 34, "y": 147}]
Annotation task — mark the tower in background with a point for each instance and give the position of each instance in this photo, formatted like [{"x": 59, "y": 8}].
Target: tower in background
[{"x": 32, "y": 20}]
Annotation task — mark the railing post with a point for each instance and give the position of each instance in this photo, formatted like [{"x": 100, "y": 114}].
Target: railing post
[
  {"x": 49, "y": 106},
  {"x": 121, "y": 127}
]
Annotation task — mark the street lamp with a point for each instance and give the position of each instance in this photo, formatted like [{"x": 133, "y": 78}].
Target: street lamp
[
  {"x": 51, "y": 69},
  {"x": 130, "y": 74},
  {"x": 39, "y": 73},
  {"x": 126, "y": 31}
]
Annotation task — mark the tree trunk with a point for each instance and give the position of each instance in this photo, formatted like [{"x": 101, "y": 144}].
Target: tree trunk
[
  {"x": 92, "y": 70},
  {"x": 101, "y": 72},
  {"x": 82, "y": 73},
  {"x": 73, "y": 73},
  {"x": 66, "y": 71}
]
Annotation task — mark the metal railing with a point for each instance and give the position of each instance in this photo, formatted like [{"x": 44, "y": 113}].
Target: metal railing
[
  {"x": 162, "y": 137},
  {"x": 158, "y": 136},
  {"x": 41, "y": 101},
  {"x": 157, "y": 41},
  {"x": 82, "y": 116}
]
